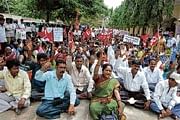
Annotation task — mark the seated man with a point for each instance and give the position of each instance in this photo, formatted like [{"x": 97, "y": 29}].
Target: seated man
[
  {"x": 134, "y": 81},
  {"x": 15, "y": 95},
  {"x": 2, "y": 67},
  {"x": 153, "y": 74},
  {"x": 39, "y": 85},
  {"x": 164, "y": 102},
  {"x": 81, "y": 78},
  {"x": 178, "y": 72},
  {"x": 60, "y": 95},
  {"x": 42, "y": 59}
]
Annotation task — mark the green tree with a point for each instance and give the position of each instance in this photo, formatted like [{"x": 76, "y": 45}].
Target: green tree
[
  {"x": 142, "y": 13},
  {"x": 66, "y": 10}
]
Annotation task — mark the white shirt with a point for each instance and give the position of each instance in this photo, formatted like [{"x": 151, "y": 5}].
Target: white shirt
[
  {"x": 164, "y": 95},
  {"x": 21, "y": 26},
  {"x": 134, "y": 84},
  {"x": 92, "y": 34},
  {"x": 153, "y": 76},
  {"x": 82, "y": 79},
  {"x": 170, "y": 42},
  {"x": 2, "y": 34},
  {"x": 10, "y": 30},
  {"x": 111, "y": 55},
  {"x": 120, "y": 62}
]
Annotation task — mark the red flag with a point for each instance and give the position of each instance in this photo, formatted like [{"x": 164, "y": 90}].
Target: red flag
[
  {"x": 144, "y": 38},
  {"x": 47, "y": 35},
  {"x": 155, "y": 38},
  {"x": 86, "y": 34}
]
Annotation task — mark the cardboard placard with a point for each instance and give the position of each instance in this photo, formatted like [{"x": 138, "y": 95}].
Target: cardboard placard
[{"x": 131, "y": 39}]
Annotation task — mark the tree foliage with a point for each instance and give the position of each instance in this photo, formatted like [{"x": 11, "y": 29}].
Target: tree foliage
[
  {"x": 65, "y": 10},
  {"x": 141, "y": 13}
]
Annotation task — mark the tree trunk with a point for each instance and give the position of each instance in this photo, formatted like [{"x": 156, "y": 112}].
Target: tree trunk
[
  {"x": 144, "y": 30},
  {"x": 134, "y": 31},
  {"x": 138, "y": 31},
  {"x": 47, "y": 16}
]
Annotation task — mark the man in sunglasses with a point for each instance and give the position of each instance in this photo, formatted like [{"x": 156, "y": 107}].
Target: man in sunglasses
[{"x": 164, "y": 102}]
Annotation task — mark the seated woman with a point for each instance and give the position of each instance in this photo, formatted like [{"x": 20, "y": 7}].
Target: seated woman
[{"x": 106, "y": 96}]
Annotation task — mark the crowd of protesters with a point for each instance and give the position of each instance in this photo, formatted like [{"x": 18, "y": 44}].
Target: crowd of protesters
[{"x": 109, "y": 73}]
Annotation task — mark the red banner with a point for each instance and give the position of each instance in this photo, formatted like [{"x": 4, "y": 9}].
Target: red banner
[{"x": 47, "y": 35}]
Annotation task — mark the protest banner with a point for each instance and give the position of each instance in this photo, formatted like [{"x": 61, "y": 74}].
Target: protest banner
[
  {"x": 131, "y": 39},
  {"x": 46, "y": 34},
  {"x": 58, "y": 34},
  {"x": 20, "y": 34}
]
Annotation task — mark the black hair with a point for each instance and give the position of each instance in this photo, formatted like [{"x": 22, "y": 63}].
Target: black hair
[
  {"x": 60, "y": 62},
  {"x": 78, "y": 56},
  {"x": 11, "y": 63},
  {"x": 99, "y": 53},
  {"x": 171, "y": 62},
  {"x": 136, "y": 62},
  {"x": 106, "y": 65},
  {"x": 152, "y": 58},
  {"x": 2, "y": 16},
  {"x": 1, "y": 53},
  {"x": 41, "y": 55}
]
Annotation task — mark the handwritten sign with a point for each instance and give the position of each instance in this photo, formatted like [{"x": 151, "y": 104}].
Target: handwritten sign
[
  {"x": 58, "y": 34},
  {"x": 131, "y": 39},
  {"x": 20, "y": 34}
]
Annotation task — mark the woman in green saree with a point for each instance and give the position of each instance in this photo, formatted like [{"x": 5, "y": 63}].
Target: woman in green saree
[{"x": 106, "y": 96}]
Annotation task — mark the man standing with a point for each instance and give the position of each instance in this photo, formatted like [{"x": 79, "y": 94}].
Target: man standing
[
  {"x": 164, "y": 102},
  {"x": 2, "y": 32},
  {"x": 60, "y": 95},
  {"x": 15, "y": 95}
]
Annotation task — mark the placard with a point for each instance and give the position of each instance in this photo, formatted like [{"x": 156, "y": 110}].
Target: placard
[
  {"x": 131, "y": 39},
  {"x": 58, "y": 34},
  {"x": 20, "y": 34}
]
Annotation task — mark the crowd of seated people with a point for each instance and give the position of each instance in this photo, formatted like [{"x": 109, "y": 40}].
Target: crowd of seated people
[{"x": 110, "y": 77}]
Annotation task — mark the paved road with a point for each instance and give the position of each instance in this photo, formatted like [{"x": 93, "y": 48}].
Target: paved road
[{"x": 82, "y": 114}]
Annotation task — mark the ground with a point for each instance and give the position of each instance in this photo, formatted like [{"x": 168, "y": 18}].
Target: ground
[{"x": 82, "y": 114}]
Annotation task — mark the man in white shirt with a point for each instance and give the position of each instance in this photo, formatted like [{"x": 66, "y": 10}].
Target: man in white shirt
[
  {"x": 81, "y": 78},
  {"x": 10, "y": 30},
  {"x": 134, "y": 82},
  {"x": 171, "y": 40},
  {"x": 121, "y": 61},
  {"x": 2, "y": 30},
  {"x": 153, "y": 74},
  {"x": 164, "y": 102}
]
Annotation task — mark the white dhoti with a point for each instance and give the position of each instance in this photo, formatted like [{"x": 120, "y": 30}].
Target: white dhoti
[{"x": 7, "y": 102}]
